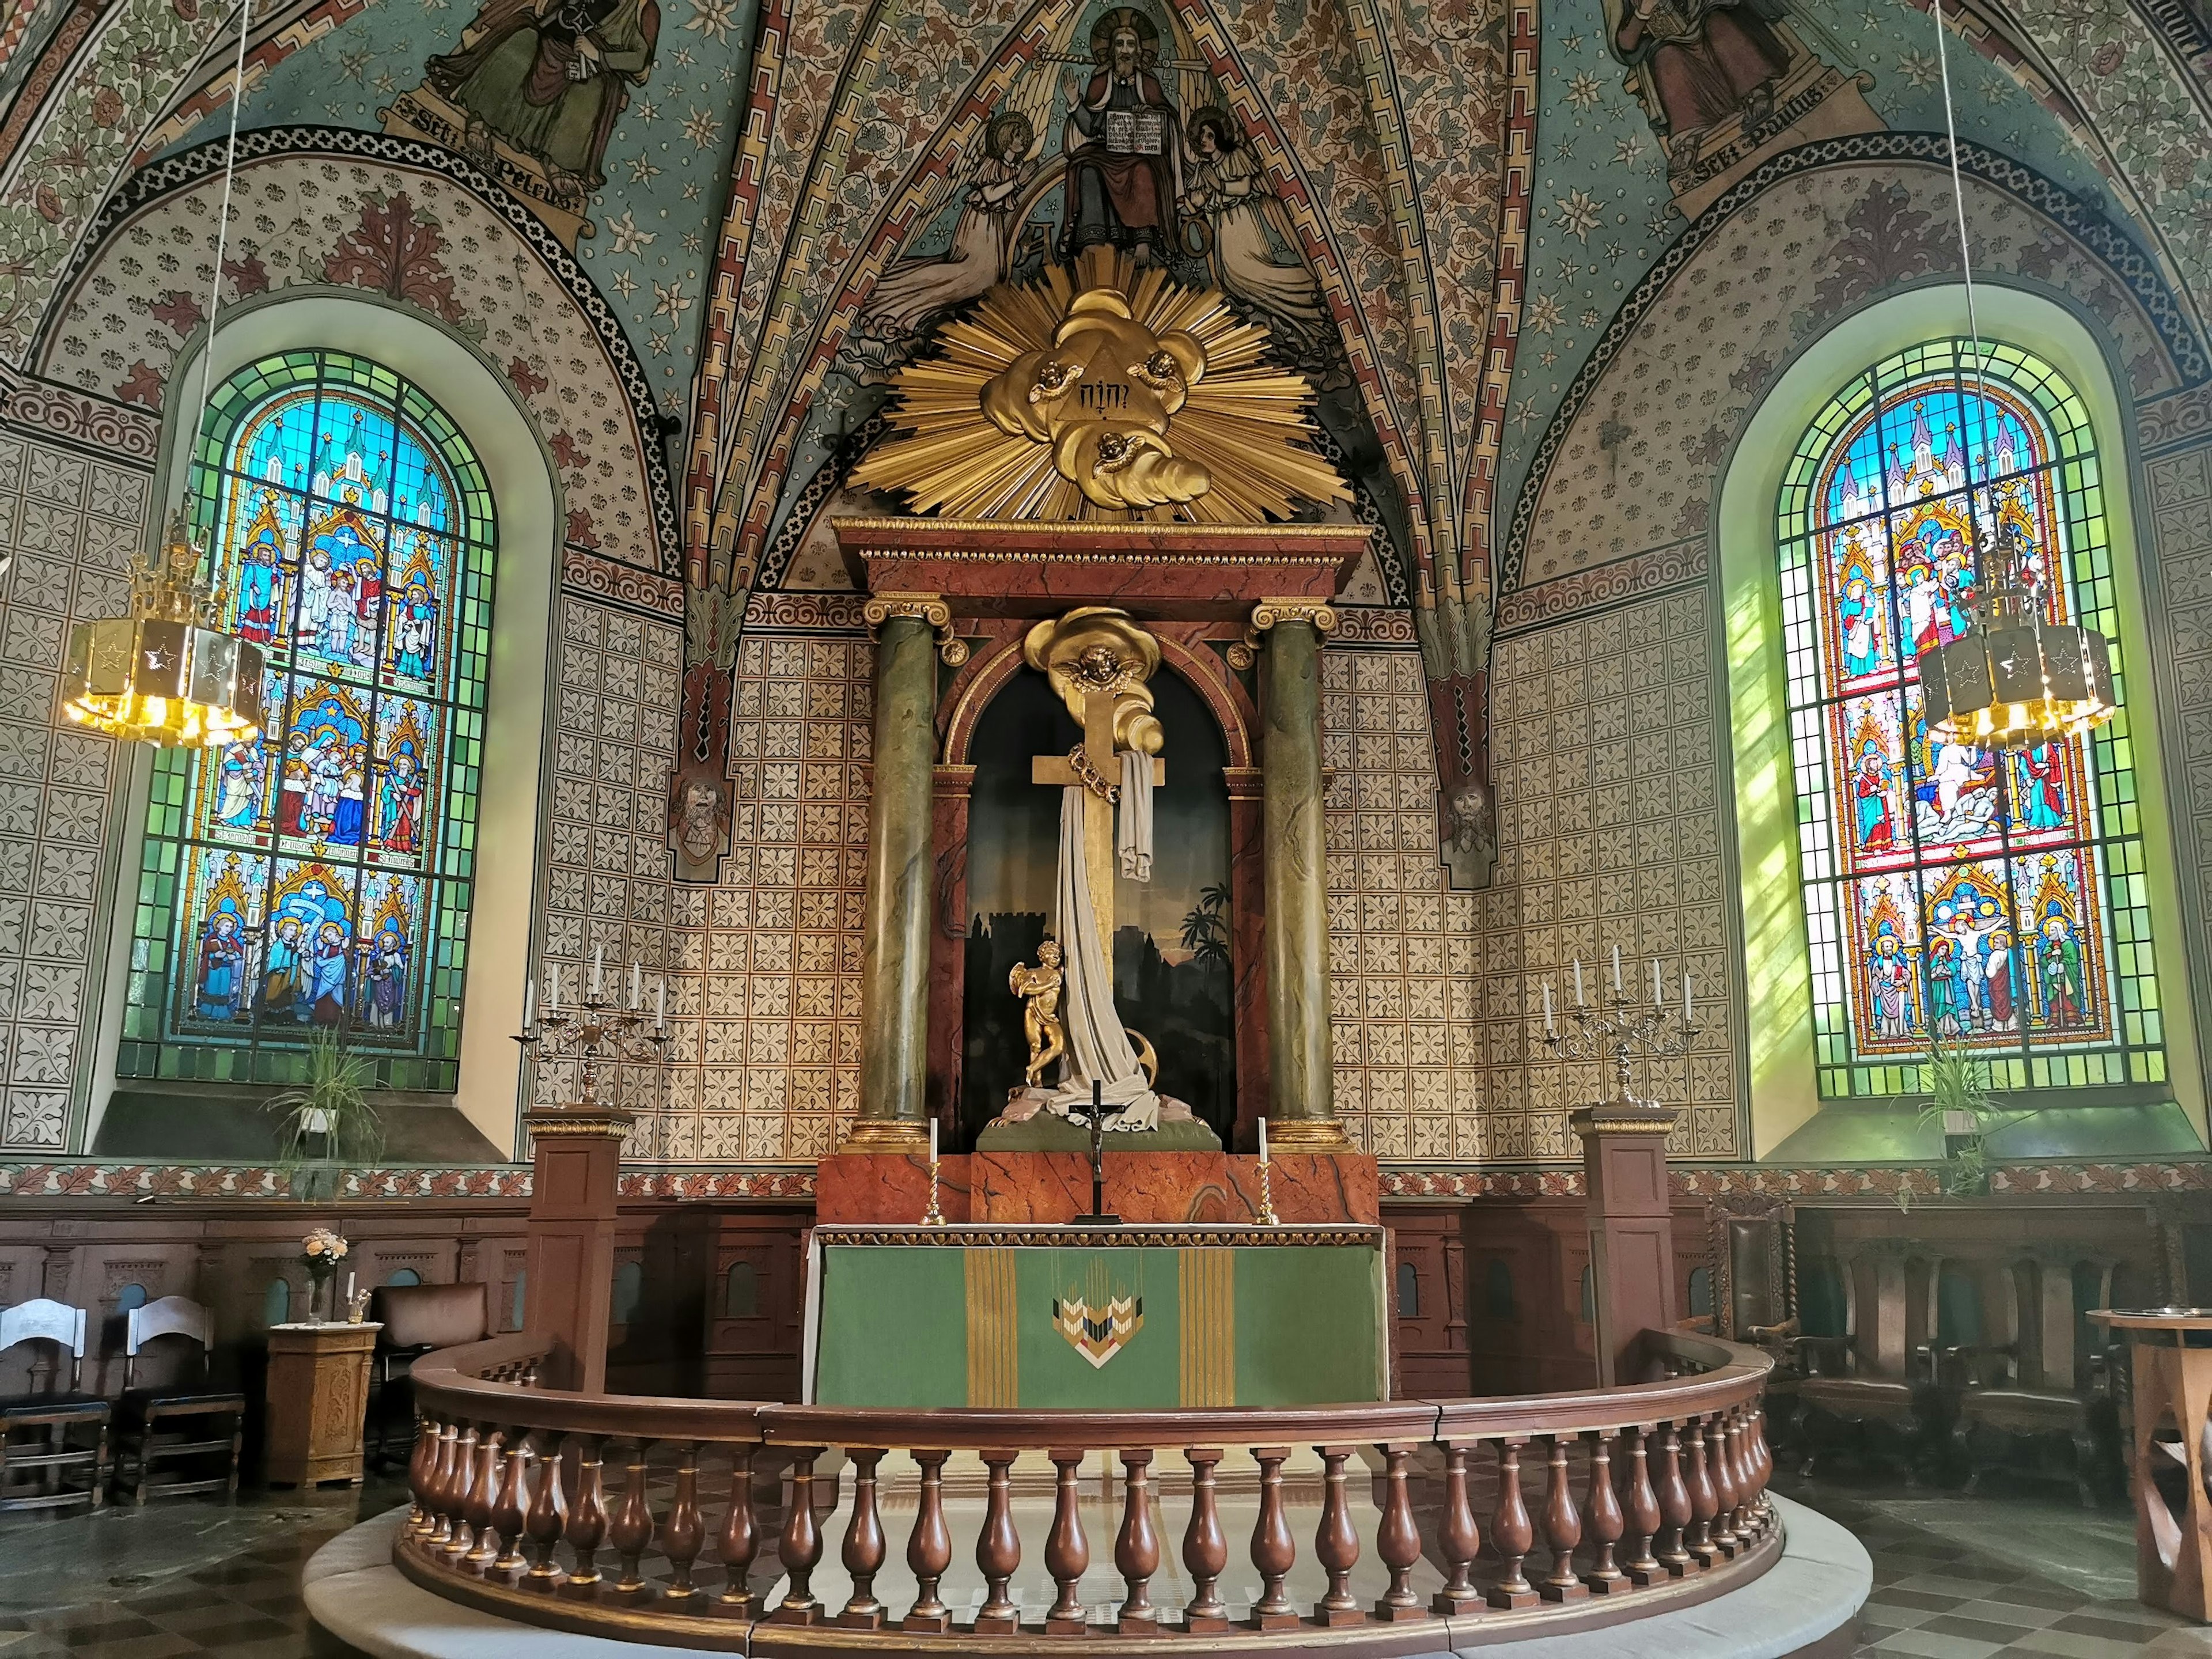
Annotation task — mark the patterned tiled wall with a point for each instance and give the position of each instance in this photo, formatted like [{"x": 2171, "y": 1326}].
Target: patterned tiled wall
[
  {"x": 765, "y": 1063},
  {"x": 2180, "y": 490},
  {"x": 70, "y": 523},
  {"x": 1608, "y": 782}
]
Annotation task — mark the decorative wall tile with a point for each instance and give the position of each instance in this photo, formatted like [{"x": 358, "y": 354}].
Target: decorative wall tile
[
  {"x": 70, "y": 522},
  {"x": 1609, "y": 799}
]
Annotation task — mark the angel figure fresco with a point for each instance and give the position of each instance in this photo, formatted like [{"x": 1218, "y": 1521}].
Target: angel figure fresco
[
  {"x": 1226, "y": 189},
  {"x": 915, "y": 291},
  {"x": 551, "y": 77},
  {"x": 1124, "y": 146}
]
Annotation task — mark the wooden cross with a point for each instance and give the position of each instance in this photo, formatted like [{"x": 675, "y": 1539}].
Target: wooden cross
[{"x": 1059, "y": 771}]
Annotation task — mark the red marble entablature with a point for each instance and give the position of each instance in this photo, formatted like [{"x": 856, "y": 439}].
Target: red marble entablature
[
  {"x": 1046, "y": 1188},
  {"x": 1191, "y": 573}
]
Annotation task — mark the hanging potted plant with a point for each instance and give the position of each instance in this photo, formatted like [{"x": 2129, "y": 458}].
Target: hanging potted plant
[{"x": 326, "y": 1126}]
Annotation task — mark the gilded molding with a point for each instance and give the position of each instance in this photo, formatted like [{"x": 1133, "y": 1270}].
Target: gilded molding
[
  {"x": 926, "y": 607},
  {"x": 1308, "y": 1134},
  {"x": 580, "y": 1123},
  {"x": 1269, "y": 612},
  {"x": 885, "y": 1134},
  {"x": 1071, "y": 1236}
]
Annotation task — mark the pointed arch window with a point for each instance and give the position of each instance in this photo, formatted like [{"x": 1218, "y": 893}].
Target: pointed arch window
[
  {"x": 319, "y": 879},
  {"x": 1952, "y": 894}
]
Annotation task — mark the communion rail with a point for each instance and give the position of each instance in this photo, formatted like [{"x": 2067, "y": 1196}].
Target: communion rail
[{"x": 1661, "y": 1503}]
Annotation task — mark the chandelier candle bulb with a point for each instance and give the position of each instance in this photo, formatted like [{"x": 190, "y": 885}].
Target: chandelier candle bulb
[
  {"x": 553, "y": 991},
  {"x": 529, "y": 1003},
  {"x": 660, "y": 1000},
  {"x": 637, "y": 987},
  {"x": 1549, "y": 1027},
  {"x": 1685, "y": 997},
  {"x": 1655, "y": 981},
  {"x": 1616, "y": 970},
  {"x": 598, "y": 961},
  {"x": 1578, "y": 982}
]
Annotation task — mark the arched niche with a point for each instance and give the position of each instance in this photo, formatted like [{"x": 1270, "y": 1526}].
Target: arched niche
[
  {"x": 1197, "y": 693},
  {"x": 527, "y": 494}
]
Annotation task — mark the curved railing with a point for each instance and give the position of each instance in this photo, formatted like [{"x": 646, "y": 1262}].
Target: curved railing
[{"x": 1651, "y": 1495}]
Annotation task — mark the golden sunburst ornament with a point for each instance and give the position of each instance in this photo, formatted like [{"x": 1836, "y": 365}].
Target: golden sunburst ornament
[{"x": 1107, "y": 394}]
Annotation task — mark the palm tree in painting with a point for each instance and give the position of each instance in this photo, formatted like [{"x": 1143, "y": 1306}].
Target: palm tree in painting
[{"x": 1206, "y": 929}]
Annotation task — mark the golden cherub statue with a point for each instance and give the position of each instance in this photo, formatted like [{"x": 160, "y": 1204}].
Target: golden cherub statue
[{"x": 1039, "y": 988}]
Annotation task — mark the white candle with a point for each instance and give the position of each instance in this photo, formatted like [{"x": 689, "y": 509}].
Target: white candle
[
  {"x": 933, "y": 1140},
  {"x": 598, "y": 961},
  {"x": 529, "y": 1003},
  {"x": 349, "y": 1287},
  {"x": 1686, "y": 999},
  {"x": 1548, "y": 1027},
  {"x": 661, "y": 999},
  {"x": 1263, "y": 1140},
  {"x": 553, "y": 992},
  {"x": 1616, "y": 970},
  {"x": 1655, "y": 981},
  {"x": 637, "y": 984},
  {"x": 1578, "y": 982}
]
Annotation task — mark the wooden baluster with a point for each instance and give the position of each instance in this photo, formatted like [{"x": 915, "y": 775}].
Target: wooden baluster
[
  {"x": 453, "y": 1540},
  {"x": 1762, "y": 1469},
  {"x": 1398, "y": 1538},
  {"x": 436, "y": 1522},
  {"x": 588, "y": 1519},
  {"x": 1511, "y": 1532},
  {"x": 1721, "y": 1468},
  {"x": 1273, "y": 1550},
  {"x": 420, "y": 1462},
  {"x": 929, "y": 1549},
  {"x": 1136, "y": 1545},
  {"x": 1674, "y": 1506},
  {"x": 1205, "y": 1549},
  {"x": 1749, "y": 1485},
  {"x": 740, "y": 1540},
  {"x": 483, "y": 1491},
  {"x": 1067, "y": 1551},
  {"x": 863, "y": 1550},
  {"x": 801, "y": 1546},
  {"x": 1336, "y": 1542},
  {"x": 684, "y": 1534},
  {"x": 998, "y": 1550},
  {"x": 548, "y": 1510},
  {"x": 1737, "y": 1522},
  {"x": 507, "y": 1511},
  {"x": 1602, "y": 1518},
  {"x": 633, "y": 1523},
  {"x": 1644, "y": 1518},
  {"x": 1458, "y": 1538},
  {"x": 1704, "y": 1503},
  {"x": 1563, "y": 1529}
]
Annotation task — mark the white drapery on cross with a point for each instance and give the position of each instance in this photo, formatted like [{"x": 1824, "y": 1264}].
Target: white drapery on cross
[
  {"x": 1133, "y": 823},
  {"x": 1096, "y": 1043}
]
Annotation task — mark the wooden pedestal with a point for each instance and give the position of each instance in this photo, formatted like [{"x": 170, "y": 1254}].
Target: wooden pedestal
[
  {"x": 317, "y": 1403},
  {"x": 1631, "y": 1230},
  {"x": 2172, "y": 1401}
]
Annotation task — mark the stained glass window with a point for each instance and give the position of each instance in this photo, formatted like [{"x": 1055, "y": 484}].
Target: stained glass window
[
  {"x": 1954, "y": 894},
  {"x": 319, "y": 877}
]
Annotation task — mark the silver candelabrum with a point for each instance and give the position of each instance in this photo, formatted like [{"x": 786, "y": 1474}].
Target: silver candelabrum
[
  {"x": 1624, "y": 1032},
  {"x": 593, "y": 1032}
]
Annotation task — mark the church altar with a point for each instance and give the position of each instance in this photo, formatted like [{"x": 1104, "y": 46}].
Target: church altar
[{"x": 1113, "y": 1318}]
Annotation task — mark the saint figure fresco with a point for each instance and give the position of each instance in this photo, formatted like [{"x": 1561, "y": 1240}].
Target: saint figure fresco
[
  {"x": 549, "y": 77},
  {"x": 1124, "y": 146}
]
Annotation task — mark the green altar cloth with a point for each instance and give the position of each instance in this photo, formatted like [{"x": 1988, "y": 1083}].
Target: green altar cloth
[{"x": 1083, "y": 1317}]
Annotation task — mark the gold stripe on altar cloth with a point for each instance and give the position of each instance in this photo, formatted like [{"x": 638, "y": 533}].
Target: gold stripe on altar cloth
[
  {"x": 993, "y": 1364},
  {"x": 1208, "y": 1286}
]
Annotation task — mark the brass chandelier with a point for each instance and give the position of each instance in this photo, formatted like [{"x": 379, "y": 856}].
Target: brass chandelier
[
  {"x": 167, "y": 674},
  {"x": 2013, "y": 679}
]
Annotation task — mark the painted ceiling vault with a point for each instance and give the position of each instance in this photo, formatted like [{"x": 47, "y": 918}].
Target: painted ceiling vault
[{"x": 744, "y": 215}]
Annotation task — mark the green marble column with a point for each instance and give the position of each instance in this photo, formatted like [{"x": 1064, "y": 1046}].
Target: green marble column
[
  {"x": 1301, "y": 1098},
  {"x": 894, "y": 950}
]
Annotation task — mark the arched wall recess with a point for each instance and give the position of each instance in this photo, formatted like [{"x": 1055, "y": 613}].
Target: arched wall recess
[
  {"x": 527, "y": 494},
  {"x": 1781, "y": 1077}
]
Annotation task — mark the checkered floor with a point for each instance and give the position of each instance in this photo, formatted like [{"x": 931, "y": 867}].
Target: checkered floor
[{"x": 2009, "y": 1573}]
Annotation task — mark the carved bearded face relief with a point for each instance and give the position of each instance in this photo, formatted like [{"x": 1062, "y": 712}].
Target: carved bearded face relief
[{"x": 699, "y": 828}]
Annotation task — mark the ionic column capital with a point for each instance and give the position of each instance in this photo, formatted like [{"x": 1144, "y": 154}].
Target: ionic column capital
[
  {"x": 1269, "y": 612},
  {"x": 930, "y": 608}
]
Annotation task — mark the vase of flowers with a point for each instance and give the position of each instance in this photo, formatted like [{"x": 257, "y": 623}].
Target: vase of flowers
[{"x": 321, "y": 1251}]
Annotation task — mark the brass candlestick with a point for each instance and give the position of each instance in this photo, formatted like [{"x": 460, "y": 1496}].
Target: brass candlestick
[
  {"x": 1267, "y": 1195},
  {"x": 593, "y": 1029},
  {"x": 933, "y": 1216}
]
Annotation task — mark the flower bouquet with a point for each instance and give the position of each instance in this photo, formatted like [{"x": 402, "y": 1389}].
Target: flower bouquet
[{"x": 321, "y": 1251}]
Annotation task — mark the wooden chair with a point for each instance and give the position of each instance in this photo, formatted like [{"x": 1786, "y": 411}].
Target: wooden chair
[
  {"x": 2042, "y": 1401},
  {"x": 49, "y": 1435},
  {"x": 167, "y": 1424},
  {"x": 1858, "y": 1397},
  {"x": 416, "y": 1319}
]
